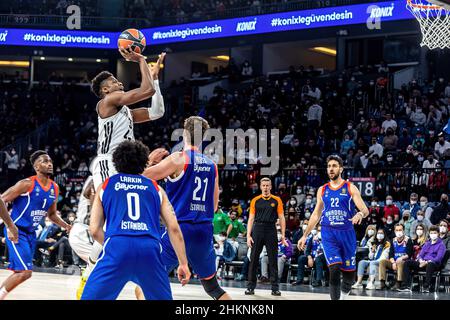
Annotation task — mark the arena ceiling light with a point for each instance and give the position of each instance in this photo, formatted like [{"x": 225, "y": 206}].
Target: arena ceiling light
[
  {"x": 70, "y": 59},
  {"x": 98, "y": 60},
  {"x": 14, "y": 63},
  {"x": 324, "y": 50},
  {"x": 42, "y": 58},
  {"x": 221, "y": 58}
]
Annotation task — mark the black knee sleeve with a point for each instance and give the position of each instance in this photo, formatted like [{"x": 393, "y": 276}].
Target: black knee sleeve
[
  {"x": 348, "y": 278},
  {"x": 212, "y": 288},
  {"x": 335, "y": 282}
]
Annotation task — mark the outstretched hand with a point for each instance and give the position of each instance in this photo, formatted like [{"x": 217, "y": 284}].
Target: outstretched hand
[
  {"x": 130, "y": 55},
  {"x": 156, "y": 156},
  {"x": 157, "y": 66}
]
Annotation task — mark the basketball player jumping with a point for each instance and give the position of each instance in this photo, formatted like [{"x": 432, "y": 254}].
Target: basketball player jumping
[
  {"x": 32, "y": 199},
  {"x": 335, "y": 209},
  {"x": 116, "y": 120},
  {"x": 193, "y": 188},
  {"x": 132, "y": 206}
]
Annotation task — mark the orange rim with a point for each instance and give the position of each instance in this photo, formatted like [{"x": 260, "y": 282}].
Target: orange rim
[{"x": 424, "y": 6}]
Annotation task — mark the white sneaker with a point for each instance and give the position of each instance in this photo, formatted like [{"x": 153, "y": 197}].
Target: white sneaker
[
  {"x": 357, "y": 285},
  {"x": 344, "y": 295},
  {"x": 370, "y": 286}
]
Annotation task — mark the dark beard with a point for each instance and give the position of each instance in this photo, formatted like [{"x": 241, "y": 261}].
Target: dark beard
[{"x": 334, "y": 178}]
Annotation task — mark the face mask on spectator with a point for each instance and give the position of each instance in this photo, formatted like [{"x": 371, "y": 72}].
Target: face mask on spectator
[
  {"x": 72, "y": 219},
  {"x": 349, "y": 126},
  {"x": 370, "y": 232},
  {"x": 423, "y": 203},
  {"x": 307, "y": 214},
  {"x": 419, "y": 217},
  {"x": 241, "y": 220},
  {"x": 388, "y": 202},
  {"x": 413, "y": 202},
  {"x": 279, "y": 237},
  {"x": 419, "y": 232},
  {"x": 443, "y": 229},
  {"x": 299, "y": 191},
  {"x": 380, "y": 236},
  {"x": 420, "y": 158},
  {"x": 433, "y": 236},
  {"x": 399, "y": 234},
  {"x": 389, "y": 221},
  {"x": 373, "y": 203},
  {"x": 304, "y": 227},
  {"x": 293, "y": 202},
  {"x": 389, "y": 159},
  {"x": 313, "y": 232},
  {"x": 308, "y": 201},
  {"x": 221, "y": 238}
]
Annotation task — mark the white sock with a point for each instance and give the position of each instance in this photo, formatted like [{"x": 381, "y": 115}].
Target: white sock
[{"x": 3, "y": 293}]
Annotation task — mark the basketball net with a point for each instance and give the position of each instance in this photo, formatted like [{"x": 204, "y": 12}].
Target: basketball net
[{"x": 434, "y": 23}]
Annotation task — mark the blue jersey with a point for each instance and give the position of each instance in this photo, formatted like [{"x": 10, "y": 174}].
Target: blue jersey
[
  {"x": 192, "y": 192},
  {"x": 29, "y": 208},
  {"x": 131, "y": 205},
  {"x": 338, "y": 206}
]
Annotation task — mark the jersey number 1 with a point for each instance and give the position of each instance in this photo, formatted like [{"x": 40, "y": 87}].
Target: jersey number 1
[{"x": 133, "y": 199}]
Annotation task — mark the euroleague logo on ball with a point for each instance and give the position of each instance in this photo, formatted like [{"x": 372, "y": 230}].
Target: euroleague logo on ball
[{"x": 133, "y": 38}]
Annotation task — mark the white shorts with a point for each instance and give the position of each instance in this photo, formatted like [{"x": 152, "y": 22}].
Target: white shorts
[
  {"x": 80, "y": 240},
  {"x": 103, "y": 168}
]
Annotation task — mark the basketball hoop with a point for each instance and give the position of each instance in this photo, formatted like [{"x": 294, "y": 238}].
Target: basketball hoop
[{"x": 434, "y": 23}]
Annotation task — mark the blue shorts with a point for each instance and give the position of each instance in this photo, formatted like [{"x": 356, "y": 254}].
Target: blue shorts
[
  {"x": 198, "y": 240},
  {"x": 128, "y": 258},
  {"x": 339, "y": 247},
  {"x": 21, "y": 253}
]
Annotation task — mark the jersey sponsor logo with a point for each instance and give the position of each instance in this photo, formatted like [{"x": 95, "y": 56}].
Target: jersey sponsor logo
[
  {"x": 124, "y": 186},
  {"x": 37, "y": 215},
  {"x": 343, "y": 192},
  {"x": 272, "y": 205},
  {"x": 52, "y": 194}
]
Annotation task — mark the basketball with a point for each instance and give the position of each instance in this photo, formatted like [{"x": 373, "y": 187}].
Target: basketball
[{"x": 132, "y": 37}]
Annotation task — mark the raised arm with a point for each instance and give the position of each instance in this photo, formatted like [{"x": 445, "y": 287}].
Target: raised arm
[
  {"x": 157, "y": 108},
  {"x": 145, "y": 91},
  {"x": 173, "y": 165}
]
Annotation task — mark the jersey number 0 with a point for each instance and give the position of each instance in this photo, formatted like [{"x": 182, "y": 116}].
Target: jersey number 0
[{"x": 133, "y": 201}]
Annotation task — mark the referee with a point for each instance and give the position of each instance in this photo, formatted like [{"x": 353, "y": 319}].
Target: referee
[{"x": 265, "y": 209}]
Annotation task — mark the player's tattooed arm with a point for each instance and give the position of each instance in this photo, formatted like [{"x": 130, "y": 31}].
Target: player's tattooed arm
[{"x": 23, "y": 186}]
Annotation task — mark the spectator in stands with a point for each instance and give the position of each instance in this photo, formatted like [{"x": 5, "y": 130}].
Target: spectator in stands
[
  {"x": 438, "y": 180},
  {"x": 45, "y": 238},
  {"x": 389, "y": 227},
  {"x": 404, "y": 140},
  {"x": 346, "y": 145},
  {"x": 307, "y": 259},
  {"x": 375, "y": 213},
  {"x": 413, "y": 206},
  {"x": 247, "y": 70},
  {"x": 314, "y": 118},
  {"x": 224, "y": 251},
  {"x": 236, "y": 206},
  {"x": 388, "y": 123},
  {"x": 292, "y": 219},
  {"x": 390, "y": 141},
  {"x": 390, "y": 209},
  {"x": 12, "y": 163},
  {"x": 442, "y": 211},
  {"x": 375, "y": 149},
  {"x": 407, "y": 221},
  {"x": 429, "y": 259},
  {"x": 351, "y": 132},
  {"x": 420, "y": 220},
  {"x": 430, "y": 163},
  {"x": 419, "y": 238},
  {"x": 425, "y": 207},
  {"x": 369, "y": 237},
  {"x": 235, "y": 228},
  {"x": 401, "y": 249},
  {"x": 221, "y": 221},
  {"x": 379, "y": 250},
  {"x": 60, "y": 247},
  {"x": 284, "y": 255},
  {"x": 443, "y": 232},
  {"x": 417, "y": 116},
  {"x": 441, "y": 146}
]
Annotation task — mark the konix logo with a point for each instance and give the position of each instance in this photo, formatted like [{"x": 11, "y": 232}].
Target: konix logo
[
  {"x": 3, "y": 36},
  {"x": 382, "y": 12},
  {"x": 246, "y": 26}
]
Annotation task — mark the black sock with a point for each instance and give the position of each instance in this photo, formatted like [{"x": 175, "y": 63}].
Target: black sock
[{"x": 335, "y": 282}]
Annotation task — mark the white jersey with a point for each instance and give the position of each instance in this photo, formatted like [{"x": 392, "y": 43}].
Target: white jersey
[
  {"x": 114, "y": 130},
  {"x": 84, "y": 206}
]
